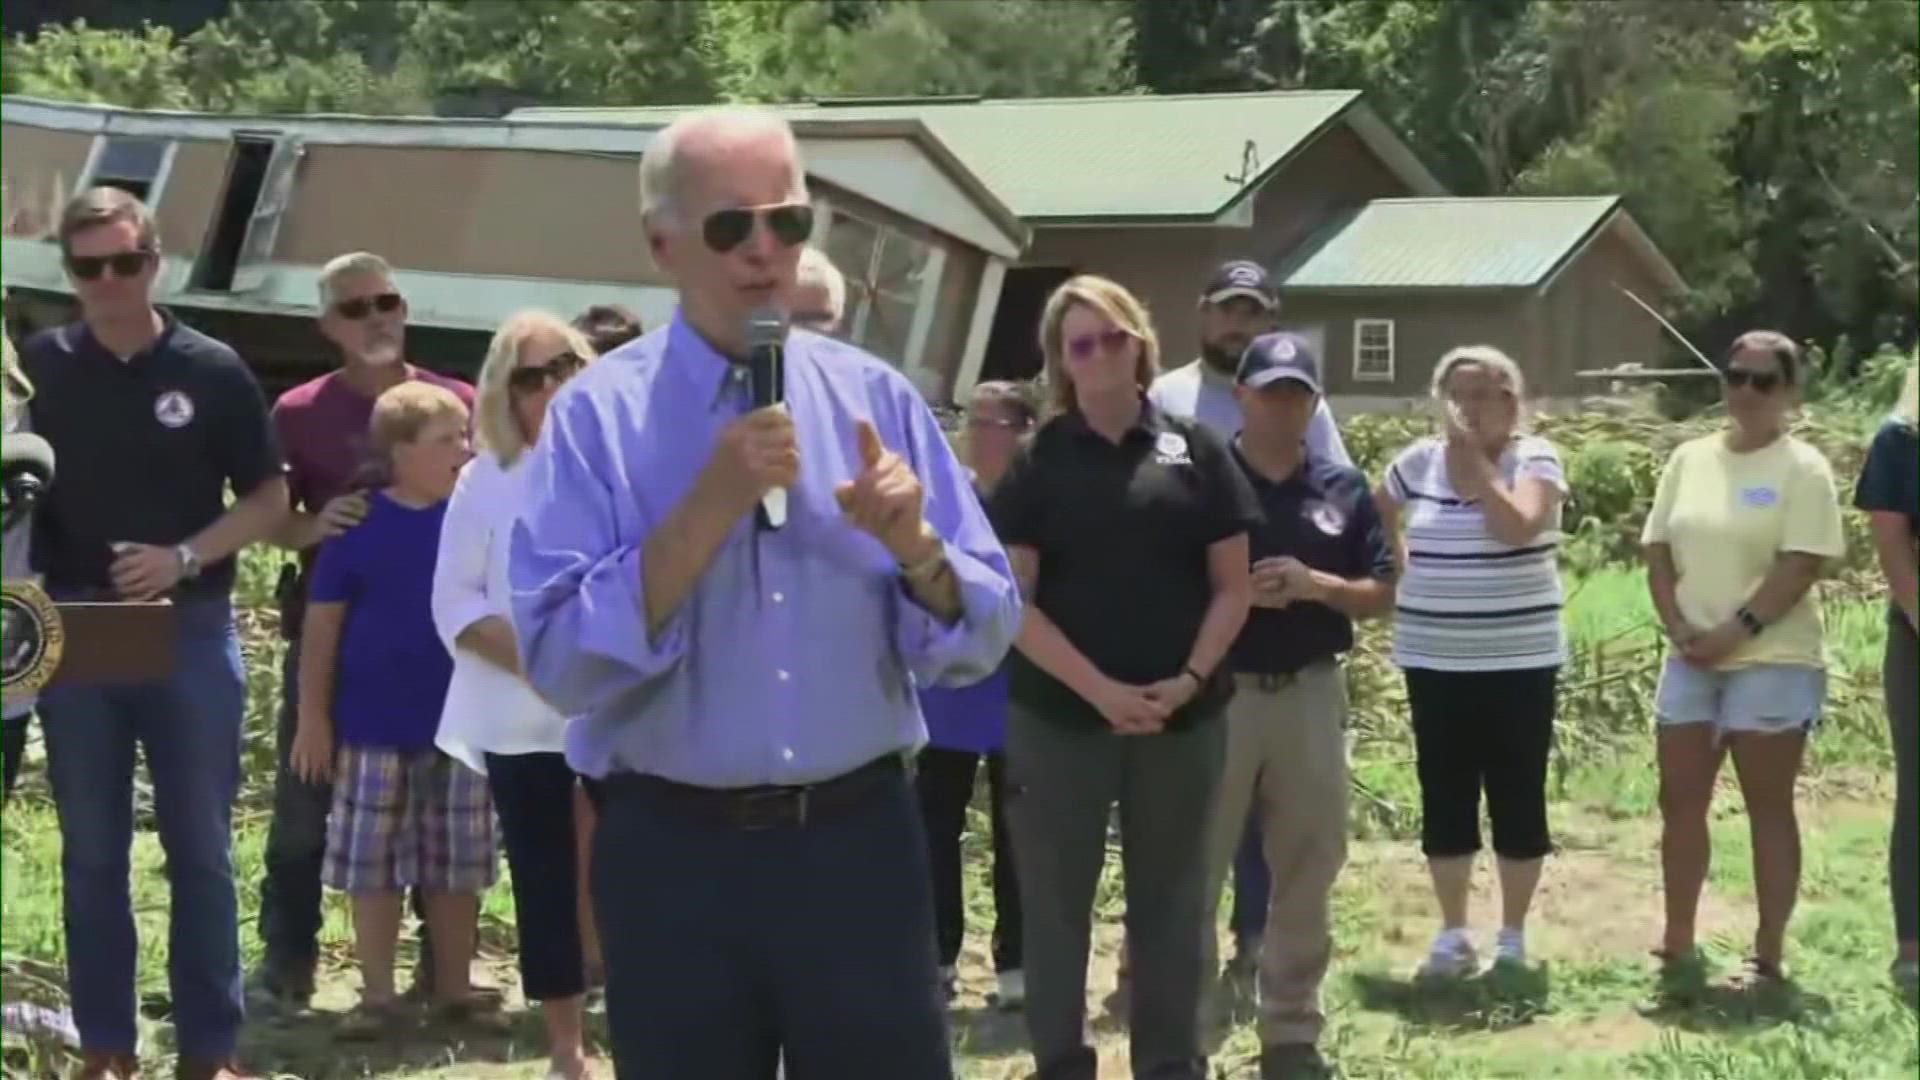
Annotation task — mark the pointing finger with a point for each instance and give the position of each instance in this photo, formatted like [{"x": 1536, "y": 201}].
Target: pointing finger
[{"x": 871, "y": 448}]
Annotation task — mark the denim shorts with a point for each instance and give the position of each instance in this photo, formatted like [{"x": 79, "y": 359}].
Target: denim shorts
[{"x": 1767, "y": 699}]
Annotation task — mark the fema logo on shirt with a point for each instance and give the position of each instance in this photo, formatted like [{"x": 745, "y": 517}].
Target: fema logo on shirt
[
  {"x": 1759, "y": 497},
  {"x": 1171, "y": 449},
  {"x": 1327, "y": 518},
  {"x": 173, "y": 409}
]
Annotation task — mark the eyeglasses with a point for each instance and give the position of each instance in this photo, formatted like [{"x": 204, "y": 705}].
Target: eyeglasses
[
  {"x": 533, "y": 378},
  {"x": 1082, "y": 347},
  {"x": 1765, "y": 382},
  {"x": 790, "y": 223},
  {"x": 361, "y": 306},
  {"x": 124, "y": 264}
]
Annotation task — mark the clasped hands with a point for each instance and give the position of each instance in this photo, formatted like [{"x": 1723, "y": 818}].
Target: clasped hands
[{"x": 1282, "y": 580}]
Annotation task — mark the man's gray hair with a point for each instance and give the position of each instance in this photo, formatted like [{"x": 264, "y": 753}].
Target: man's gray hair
[
  {"x": 349, "y": 265},
  {"x": 659, "y": 163},
  {"x": 816, "y": 271}
]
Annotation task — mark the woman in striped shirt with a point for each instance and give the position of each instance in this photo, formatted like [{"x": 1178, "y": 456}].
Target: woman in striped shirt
[{"x": 1477, "y": 631}]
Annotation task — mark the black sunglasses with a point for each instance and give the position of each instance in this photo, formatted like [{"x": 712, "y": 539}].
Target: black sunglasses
[
  {"x": 360, "y": 306},
  {"x": 790, "y": 223},
  {"x": 1765, "y": 382},
  {"x": 125, "y": 264},
  {"x": 534, "y": 378}
]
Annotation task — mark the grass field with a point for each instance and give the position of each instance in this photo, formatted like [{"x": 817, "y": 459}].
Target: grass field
[{"x": 1592, "y": 1007}]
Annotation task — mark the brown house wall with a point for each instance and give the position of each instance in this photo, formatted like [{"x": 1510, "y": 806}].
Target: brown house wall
[
  {"x": 1593, "y": 324},
  {"x": 1166, "y": 266},
  {"x": 1425, "y": 327}
]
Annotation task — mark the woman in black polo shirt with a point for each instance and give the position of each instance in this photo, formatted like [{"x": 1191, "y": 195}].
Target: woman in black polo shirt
[{"x": 1127, "y": 529}]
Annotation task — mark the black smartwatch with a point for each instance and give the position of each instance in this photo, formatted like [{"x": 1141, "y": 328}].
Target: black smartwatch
[{"x": 1749, "y": 621}]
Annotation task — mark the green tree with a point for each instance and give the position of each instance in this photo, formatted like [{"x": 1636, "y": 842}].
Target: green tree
[{"x": 137, "y": 69}]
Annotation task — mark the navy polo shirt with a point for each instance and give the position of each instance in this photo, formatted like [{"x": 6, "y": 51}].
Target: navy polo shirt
[
  {"x": 145, "y": 449},
  {"x": 1324, "y": 516},
  {"x": 1122, "y": 530}
]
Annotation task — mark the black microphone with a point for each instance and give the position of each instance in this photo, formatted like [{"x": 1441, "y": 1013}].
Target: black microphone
[
  {"x": 26, "y": 471},
  {"x": 767, "y": 378}
]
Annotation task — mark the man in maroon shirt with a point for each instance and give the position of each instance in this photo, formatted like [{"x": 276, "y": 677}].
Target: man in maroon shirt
[{"x": 323, "y": 428}]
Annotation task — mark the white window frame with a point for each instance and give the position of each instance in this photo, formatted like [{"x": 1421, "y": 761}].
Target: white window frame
[
  {"x": 1360, "y": 328},
  {"x": 156, "y": 188},
  {"x": 923, "y": 301},
  {"x": 269, "y": 210}
]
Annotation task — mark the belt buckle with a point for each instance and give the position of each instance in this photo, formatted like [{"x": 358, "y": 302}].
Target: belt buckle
[{"x": 760, "y": 810}]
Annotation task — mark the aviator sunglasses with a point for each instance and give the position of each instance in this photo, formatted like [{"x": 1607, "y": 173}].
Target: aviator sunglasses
[
  {"x": 790, "y": 223},
  {"x": 1082, "y": 347},
  {"x": 535, "y": 377},
  {"x": 361, "y": 306},
  {"x": 125, "y": 264},
  {"x": 1765, "y": 382}
]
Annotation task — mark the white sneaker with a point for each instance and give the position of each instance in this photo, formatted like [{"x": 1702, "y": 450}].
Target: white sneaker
[
  {"x": 1450, "y": 957},
  {"x": 1013, "y": 990},
  {"x": 1510, "y": 948}
]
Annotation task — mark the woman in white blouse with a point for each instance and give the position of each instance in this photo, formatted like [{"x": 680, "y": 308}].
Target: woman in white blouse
[{"x": 493, "y": 720}]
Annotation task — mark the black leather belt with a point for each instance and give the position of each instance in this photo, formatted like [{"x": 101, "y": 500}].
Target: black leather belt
[{"x": 768, "y": 806}]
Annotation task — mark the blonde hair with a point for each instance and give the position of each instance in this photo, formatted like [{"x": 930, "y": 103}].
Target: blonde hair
[
  {"x": 402, "y": 412},
  {"x": 495, "y": 426},
  {"x": 1110, "y": 299},
  {"x": 348, "y": 265},
  {"x": 1486, "y": 356}
]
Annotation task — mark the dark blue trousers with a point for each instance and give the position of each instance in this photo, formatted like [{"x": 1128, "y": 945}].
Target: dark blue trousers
[{"x": 727, "y": 946}]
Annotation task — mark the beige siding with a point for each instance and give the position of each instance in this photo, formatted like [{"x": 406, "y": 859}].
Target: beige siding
[
  {"x": 509, "y": 212},
  {"x": 191, "y": 198},
  {"x": 1336, "y": 172},
  {"x": 40, "y": 167}
]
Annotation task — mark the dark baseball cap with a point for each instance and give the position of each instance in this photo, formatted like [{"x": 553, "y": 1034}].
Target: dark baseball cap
[
  {"x": 1241, "y": 277},
  {"x": 1272, "y": 357}
]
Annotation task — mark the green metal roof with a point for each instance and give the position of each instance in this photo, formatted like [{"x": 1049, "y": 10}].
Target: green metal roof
[
  {"x": 1454, "y": 243},
  {"x": 1132, "y": 156}
]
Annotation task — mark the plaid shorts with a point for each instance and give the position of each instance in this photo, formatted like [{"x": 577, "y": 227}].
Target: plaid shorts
[{"x": 408, "y": 819}]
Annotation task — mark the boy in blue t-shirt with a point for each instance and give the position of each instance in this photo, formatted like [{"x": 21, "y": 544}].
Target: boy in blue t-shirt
[{"x": 373, "y": 678}]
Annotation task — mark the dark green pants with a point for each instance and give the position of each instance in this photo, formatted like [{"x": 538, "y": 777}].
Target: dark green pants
[{"x": 1063, "y": 780}]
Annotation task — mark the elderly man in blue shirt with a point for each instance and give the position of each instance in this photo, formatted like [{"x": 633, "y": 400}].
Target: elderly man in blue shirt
[{"x": 745, "y": 696}]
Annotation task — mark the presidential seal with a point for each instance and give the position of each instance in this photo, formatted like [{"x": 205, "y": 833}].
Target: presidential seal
[{"x": 31, "y": 638}]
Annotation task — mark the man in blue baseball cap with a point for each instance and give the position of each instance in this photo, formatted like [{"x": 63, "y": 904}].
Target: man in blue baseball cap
[
  {"x": 1320, "y": 560},
  {"x": 1238, "y": 303}
]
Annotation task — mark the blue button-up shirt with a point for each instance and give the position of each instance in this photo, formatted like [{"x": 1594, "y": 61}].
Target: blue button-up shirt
[{"x": 796, "y": 656}]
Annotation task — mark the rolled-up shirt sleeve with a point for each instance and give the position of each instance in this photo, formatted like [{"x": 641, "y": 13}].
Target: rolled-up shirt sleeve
[
  {"x": 973, "y": 646},
  {"x": 579, "y": 605},
  {"x": 460, "y": 570}
]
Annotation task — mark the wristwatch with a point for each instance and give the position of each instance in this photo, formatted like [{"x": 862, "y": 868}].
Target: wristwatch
[{"x": 189, "y": 562}]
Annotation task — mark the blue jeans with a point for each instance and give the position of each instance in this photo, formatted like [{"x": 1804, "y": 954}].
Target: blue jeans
[
  {"x": 188, "y": 727},
  {"x": 1251, "y": 884}
]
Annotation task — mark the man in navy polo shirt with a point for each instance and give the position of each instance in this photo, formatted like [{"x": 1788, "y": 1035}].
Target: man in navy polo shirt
[
  {"x": 1320, "y": 560},
  {"x": 152, "y": 423}
]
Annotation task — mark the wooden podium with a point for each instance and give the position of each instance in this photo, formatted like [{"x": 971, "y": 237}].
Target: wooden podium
[{"x": 84, "y": 643}]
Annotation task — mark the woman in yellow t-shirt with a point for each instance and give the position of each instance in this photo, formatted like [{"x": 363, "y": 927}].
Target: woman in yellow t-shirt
[{"x": 1742, "y": 524}]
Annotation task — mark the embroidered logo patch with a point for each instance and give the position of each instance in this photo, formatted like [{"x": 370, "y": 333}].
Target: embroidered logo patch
[
  {"x": 1170, "y": 448},
  {"x": 1327, "y": 518},
  {"x": 173, "y": 409},
  {"x": 1759, "y": 496}
]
